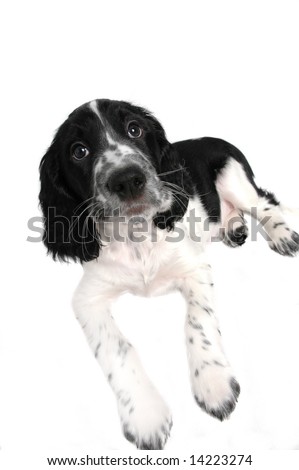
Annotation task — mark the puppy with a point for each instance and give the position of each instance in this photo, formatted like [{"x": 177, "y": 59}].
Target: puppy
[{"x": 137, "y": 212}]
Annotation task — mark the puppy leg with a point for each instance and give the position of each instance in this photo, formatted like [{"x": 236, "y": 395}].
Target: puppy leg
[
  {"x": 235, "y": 187},
  {"x": 145, "y": 418},
  {"x": 213, "y": 383}
]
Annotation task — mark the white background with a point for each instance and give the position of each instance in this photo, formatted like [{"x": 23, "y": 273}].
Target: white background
[{"x": 221, "y": 68}]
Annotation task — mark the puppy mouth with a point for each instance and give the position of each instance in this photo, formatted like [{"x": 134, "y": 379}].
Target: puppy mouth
[
  {"x": 146, "y": 205},
  {"x": 137, "y": 209}
]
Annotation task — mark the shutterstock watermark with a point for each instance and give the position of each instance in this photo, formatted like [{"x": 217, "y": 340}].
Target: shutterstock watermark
[{"x": 137, "y": 229}]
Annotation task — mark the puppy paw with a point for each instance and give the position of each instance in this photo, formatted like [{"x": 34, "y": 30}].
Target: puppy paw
[
  {"x": 146, "y": 421},
  {"x": 236, "y": 237},
  {"x": 236, "y": 230},
  {"x": 215, "y": 390},
  {"x": 284, "y": 241}
]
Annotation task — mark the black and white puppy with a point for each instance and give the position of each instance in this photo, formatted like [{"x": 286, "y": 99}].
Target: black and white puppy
[{"x": 138, "y": 211}]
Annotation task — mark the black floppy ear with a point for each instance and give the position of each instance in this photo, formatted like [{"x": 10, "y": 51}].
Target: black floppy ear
[{"x": 68, "y": 231}]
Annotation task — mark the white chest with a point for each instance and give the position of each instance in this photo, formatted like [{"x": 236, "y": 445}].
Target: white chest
[
  {"x": 150, "y": 262},
  {"x": 143, "y": 267}
]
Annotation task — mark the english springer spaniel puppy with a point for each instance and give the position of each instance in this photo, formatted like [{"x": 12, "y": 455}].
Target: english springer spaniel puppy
[{"x": 137, "y": 212}]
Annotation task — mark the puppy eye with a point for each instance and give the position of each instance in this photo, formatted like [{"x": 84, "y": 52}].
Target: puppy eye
[
  {"x": 79, "y": 151},
  {"x": 134, "y": 130}
]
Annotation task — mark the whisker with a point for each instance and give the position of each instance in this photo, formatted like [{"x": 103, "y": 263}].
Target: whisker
[
  {"x": 179, "y": 201},
  {"x": 179, "y": 189},
  {"x": 95, "y": 210},
  {"x": 170, "y": 172},
  {"x": 76, "y": 219},
  {"x": 82, "y": 203},
  {"x": 180, "y": 193}
]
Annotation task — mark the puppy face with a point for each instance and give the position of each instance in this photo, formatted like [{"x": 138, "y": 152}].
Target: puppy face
[
  {"x": 111, "y": 154},
  {"x": 108, "y": 158}
]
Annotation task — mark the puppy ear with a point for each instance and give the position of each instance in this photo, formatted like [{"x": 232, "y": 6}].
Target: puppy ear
[{"x": 68, "y": 231}]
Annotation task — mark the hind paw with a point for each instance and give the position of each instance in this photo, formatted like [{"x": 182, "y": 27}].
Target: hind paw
[
  {"x": 286, "y": 242},
  {"x": 236, "y": 237}
]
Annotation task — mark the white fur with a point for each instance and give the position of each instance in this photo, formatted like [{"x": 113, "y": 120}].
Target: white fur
[{"x": 94, "y": 108}]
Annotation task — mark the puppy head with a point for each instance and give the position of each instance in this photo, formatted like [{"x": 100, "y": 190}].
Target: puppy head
[{"x": 109, "y": 158}]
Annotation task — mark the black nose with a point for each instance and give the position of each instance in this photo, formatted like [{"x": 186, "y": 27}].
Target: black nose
[{"x": 127, "y": 183}]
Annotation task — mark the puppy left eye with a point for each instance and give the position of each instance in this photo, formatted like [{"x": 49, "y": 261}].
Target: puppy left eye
[
  {"x": 134, "y": 130},
  {"x": 79, "y": 151}
]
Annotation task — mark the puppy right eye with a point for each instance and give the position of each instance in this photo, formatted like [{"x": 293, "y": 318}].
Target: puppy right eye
[{"x": 79, "y": 151}]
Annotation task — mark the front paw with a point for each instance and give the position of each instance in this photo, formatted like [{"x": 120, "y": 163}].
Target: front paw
[
  {"x": 215, "y": 390},
  {"x": 146, "y": 420}
]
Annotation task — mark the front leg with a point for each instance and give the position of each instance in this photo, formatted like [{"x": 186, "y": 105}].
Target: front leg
[
  {"x": 145, "y": 418},
  {"x": 213, "y": 384}
]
